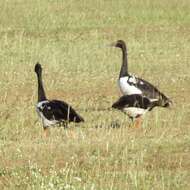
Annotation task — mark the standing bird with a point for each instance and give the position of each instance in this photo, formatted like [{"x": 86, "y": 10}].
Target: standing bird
[
  {"x": 134, "y": 106},
  {"x": 53, "y": 112},
  {"x": 130, "y": 84}
]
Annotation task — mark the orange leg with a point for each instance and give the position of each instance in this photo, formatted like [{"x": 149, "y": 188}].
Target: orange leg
[
  {"x": 138, "y": 122},
  {"x": 71, "y": 134},
  {"x": 46, "y": 132}
]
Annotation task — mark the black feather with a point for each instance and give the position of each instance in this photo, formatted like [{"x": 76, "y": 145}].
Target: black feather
[
  {"x": 148, "y": 90},
  {"x": 134, "y": 100},
  {"x": 60, "y": 111},
  {"x": 151, "y": 92},
  {"x": 53, "y": 111}
]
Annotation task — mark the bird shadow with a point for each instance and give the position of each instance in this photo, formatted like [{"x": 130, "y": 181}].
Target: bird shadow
[{"x": 113, "y": 125}]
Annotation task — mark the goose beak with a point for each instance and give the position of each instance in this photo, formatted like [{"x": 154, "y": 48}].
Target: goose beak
[{"x": 112, "y": 44}]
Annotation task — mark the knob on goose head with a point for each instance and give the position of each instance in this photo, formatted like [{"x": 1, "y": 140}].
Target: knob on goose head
[
  {"x": 119, "y": 44},
  {"x": 38, "y": 68}
]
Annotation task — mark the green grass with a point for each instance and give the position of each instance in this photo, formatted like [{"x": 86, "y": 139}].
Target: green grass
[{"x": 69, "y": 39}]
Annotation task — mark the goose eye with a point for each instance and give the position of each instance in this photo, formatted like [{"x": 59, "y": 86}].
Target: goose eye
[
  {"x": 42, "y": 106},
  {"x": 49, "y": 108}
]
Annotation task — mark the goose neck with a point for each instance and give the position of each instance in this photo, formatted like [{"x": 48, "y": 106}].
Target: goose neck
[{"x": 41, "y": 92}]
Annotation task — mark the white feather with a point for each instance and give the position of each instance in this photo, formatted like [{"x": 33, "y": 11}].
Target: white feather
[
  {"x": 40, "y": 104},
  {"x": 45, "y": 121},
  {"x": 134, "y": 112},
  {"x": 126, "y": 88},
  {"x": 153, "y": 100}
]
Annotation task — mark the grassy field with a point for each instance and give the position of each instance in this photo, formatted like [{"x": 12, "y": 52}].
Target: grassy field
[{"x": 69, "y": 39}]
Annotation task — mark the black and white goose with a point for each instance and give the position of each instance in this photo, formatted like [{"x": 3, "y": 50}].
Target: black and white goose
[
  {"x": 53, "y": 112},
  {"x": 130, "y": 84},
  {"x": 134, "y": 106}
]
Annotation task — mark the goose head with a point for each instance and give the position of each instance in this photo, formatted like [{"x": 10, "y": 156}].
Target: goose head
[
  {"x": 38, "y": 68},
  {"x": 119, "y": 44}
]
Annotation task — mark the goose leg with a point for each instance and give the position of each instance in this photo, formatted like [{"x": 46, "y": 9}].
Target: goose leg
[
  {"x": 138, "y": 122},
  {"x": 65, "y": 124},
  {"x": 72, "y": 134},
  {"x": 46, "y": 132}
]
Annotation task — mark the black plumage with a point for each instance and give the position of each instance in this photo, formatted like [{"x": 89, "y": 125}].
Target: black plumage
[
  {"x": 53, "y": 111},
  {"x": 134, "y": 100},
  {"x": 59, "y": 111},
  {"x": 151, "y": 92},
  {"x": 134, "y": 106},
  {"x": 130, "y": 84}
]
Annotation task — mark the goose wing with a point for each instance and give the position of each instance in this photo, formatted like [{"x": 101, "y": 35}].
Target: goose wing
[
  {"x": 59, "y": 110},
  {"x": 144, "y": 86},
  {"x": 134, "y": 100},
  {"x": 150, "y": 91}
]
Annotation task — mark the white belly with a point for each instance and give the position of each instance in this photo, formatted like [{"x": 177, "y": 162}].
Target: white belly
[
  {"x": 126, "y": 88},
  {"x": 45, "y": 121},
  {"x": 134, "y": 112}
]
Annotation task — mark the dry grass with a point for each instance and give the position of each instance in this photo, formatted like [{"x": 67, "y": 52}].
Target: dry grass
[{"x": 70, "y": 40}]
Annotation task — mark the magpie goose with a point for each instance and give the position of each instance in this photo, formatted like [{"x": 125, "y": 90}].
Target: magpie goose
[
  {"x": 134, "y": 106},
  {"x": 53, "y": 112},
  {"x": 130, "y": 84}
]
